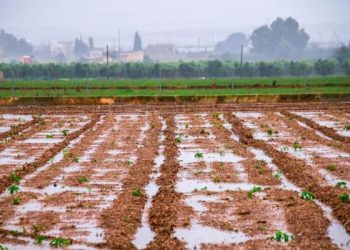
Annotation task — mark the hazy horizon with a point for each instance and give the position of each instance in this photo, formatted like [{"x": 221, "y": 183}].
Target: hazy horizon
[{"x": 181, "y": 22}]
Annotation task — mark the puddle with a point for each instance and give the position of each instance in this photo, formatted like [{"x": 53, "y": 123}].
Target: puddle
[
  {"x": 42, "y": 140},
  {"x": 196, "y": 202},
  {"x": 26, "y": 118},
  {"x": 248, "y": 114},
  {"x": 336, "y": 231},
  {"x": 314, "y": 130},
  {"x": 144, "y": 234},
  {"x": 186, "y": 157},
  {"x": 198, "y": 234},
  {"x": 185, "y": 185}
]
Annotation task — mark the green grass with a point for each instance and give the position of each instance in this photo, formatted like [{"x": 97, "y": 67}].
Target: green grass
[
  {"x": 174, "y": 83},
  {"x": 180, "y": 92}
]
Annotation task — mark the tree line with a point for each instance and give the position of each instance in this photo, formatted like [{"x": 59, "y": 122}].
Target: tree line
[{"x": 208, "y": 69}]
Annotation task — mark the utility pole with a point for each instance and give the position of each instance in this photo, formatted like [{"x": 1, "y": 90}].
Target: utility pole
[
  {"x": 119, "y": 41},
  {"x": 107, "y": 55},
  {"x": 241, "y": 69}
]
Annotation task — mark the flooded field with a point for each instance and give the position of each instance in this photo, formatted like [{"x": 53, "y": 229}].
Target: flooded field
[{"x": 230, "y": 179}]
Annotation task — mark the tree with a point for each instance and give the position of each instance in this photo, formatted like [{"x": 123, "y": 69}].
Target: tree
[
  {"x": 137, "y": 42},
  {"x": 232, "y": 44},
  {"x": 283, "y": 39},
  {"x": 325, "y": 67},
  {"x": 342, "y": 53},
  {"x": 346, "y": 66}
]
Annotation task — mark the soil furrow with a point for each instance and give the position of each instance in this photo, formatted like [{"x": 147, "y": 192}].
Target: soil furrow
[
  {"x": 330, "y": 132},
  {"x": 297, "y": 172},
  {"x": 47, "y": 155},
  {"x": 163, "y": 213},
  {"x": 121, "y": 220}
]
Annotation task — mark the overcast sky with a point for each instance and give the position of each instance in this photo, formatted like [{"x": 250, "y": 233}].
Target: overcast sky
[{"x": 174, "y": 21}]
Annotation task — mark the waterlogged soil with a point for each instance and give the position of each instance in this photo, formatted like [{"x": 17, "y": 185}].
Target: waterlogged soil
[{"x": 224, "y": 181}]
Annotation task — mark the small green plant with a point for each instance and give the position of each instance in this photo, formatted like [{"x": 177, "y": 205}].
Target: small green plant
[
  {"x": 65, "y": 132},
  {"x": 202, "y": 132},
  {"x": 282, "y": 236},
  {"x": 269, "y": 132},
  {"x": 331, "y": 167},
  {"x": 306, "y": 195},
  {"x": 13, "y": 189},
  {"x": 129, "y": 162},
  {"x": 60, "y": 242},
  {"x": 216, "y": 115},
  {"x": 222, "y": 153},
  {"x": 3, "y": 248},
  {"x": 14, "y": 177},
  {"x": 296, "y": 146},
  {"x": 83, "y": 179},
  {"x": 284, "y": 149},
  {"x": 186, "y": 125},
  {"x": 49, "y": 136},
  {"x": 152, "y": 126},
  {"x": 16, "y": 201},
  {"x": 347, "y": 126},
  {"x": 344, "y": 197},
  {"x": 278, "y": 174},
  {"x": 67, "y": 154},
  {"x": 178, "y": 139},
  {"x": 255, "y": 189},
  {"x": 136, "y": 193},
  {"x": 42, "y": 123},
  {"x": 39, "y": 239},
  {"x": 341, "y": 184},
  {"x": 14, "y": 233},
  {"x": 198, "y": 155}
]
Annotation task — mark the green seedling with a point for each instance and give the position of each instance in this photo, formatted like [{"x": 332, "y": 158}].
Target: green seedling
[
  {"x": 285, "y": 149},
  {"x": 216, "y": 115},
  {"x": 282, "y": 236},
  {"x": 198, "y": 155},
  {"x": 178, "y": 139},
  {"x": 306, "y": 195},
  {"x": 269, "y": 132},
  {"x": 186, "y": 125},
  {"x": 152, "y": 126},
  {"x": 76, "y": 159},
  {"x": 60, "y": 242},
  {"x": 278, "y": 175},
  {"x": 83, "y": 179},
  {"x": 39, "y": 239},
  {"x": 341, "y": 184},
  {"x": 14, "y": 233},
  {"x": 16, "y": 201},
  {"x": 49, "y": 136},
  {"x": 136, "y": 193},
  {"x": 347, "y": 126},
  {"x": 129, "y": 162},
  {"x": 331, "y": 167},
  {"x": 65, "y": 132},
  {"x": 204, "y": 188},
  {"x": 13, "y": 189},
  {"x": 202, "y": 131},
  {"x": 42, "y": 123},
  {"x": 3, "y": 248},
  {"x": 222, "y": 153},
  {"x": 255, "y": 189},
  {"x": 344, "y": 197},
  {"x": 14, "y": 177},
  {"x": 296, "y": 146},
  {"x": 67, "y": 154}
]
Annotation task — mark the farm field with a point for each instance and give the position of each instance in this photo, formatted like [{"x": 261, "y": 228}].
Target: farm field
[
  {"x": 177, "y": 87},
  {"x": 243, "y": 177}
]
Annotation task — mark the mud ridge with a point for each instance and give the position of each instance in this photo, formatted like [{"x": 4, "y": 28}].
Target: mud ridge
[
  {"x": 163, "y": 213},
  {"x": 330, "y": 132},
  {"x": 47, "y": 155},
  {"x": 297, "y": 172},
  {"x": 123, "y": 218}
]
